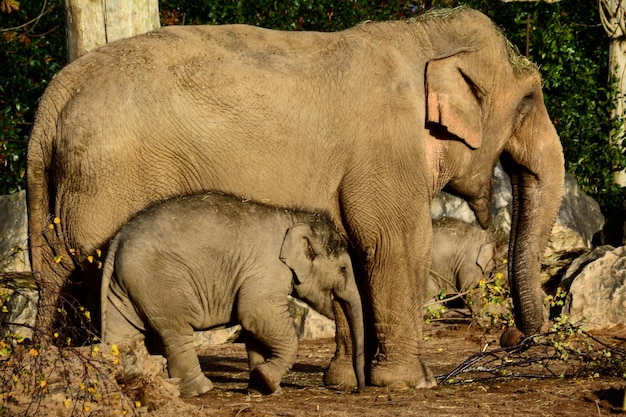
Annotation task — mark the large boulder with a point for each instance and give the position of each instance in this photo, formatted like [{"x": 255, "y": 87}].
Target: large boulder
[
  {"x": 596, "y": 288},
  {"x": 14, "y": 232},
  {"x": 18, "y": 291}
]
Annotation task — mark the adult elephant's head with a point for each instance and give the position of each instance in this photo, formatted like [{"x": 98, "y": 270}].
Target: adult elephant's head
[{"x": 484, "y": 102}]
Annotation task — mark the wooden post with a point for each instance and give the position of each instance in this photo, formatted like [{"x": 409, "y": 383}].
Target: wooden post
[
  {"x": 614, "y": 22},
  {"x": 92, "y": 23}
]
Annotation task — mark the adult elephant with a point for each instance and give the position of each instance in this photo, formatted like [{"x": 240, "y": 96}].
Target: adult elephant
[{"x": 367, "y": 124}]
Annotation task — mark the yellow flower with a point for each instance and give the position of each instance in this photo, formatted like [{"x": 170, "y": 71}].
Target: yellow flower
[
  {"x": 42, "y": 383},
  {"x": 57, "y": 220},
  {"x": 137, "y": 404},
  {"x": 90, "y": 259},
  {"x": 115, "y": 350},
  {"x": 58, "y": 258},
  {"x": 34, "y": 352},
  {"x": 98, "y": 253},
  {"x": 66, "y": 403}
]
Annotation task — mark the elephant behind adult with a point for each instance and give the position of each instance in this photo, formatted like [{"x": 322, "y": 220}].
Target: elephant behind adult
[{"x": 366, "y": 124}]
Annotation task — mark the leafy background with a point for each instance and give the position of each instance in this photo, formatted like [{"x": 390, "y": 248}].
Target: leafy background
[{"x": 565, "y": 39}]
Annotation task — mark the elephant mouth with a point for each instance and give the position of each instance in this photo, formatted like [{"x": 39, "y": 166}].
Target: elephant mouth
[{"x": 481, "y": 208}]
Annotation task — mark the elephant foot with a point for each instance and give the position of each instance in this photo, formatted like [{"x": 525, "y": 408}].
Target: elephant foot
[
  {"x": 196, "y": 386},
  {"x": 340, "y": 374},
  {"x": 511, "y": 337},
  {"x": 402, "y": 375},
  {"x": 264, "y": 382}
]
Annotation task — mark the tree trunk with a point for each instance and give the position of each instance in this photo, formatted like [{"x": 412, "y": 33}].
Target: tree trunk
[
  {"x": 614, "y": 22},
  {"x": 92, "y": 23}
]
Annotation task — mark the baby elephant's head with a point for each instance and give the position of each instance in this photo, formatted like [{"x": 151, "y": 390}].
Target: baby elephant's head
[{"x": 319, "y": 259}]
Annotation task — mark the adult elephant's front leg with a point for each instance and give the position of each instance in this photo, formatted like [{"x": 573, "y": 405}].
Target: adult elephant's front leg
[
  {"x": 397, "y": 295},
  {"x": 396, "y": 246}
]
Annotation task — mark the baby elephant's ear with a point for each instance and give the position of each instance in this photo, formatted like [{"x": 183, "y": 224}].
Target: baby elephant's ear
[
  {"x": 486, "y": 256},
  {"x": 297, "y": 252}
]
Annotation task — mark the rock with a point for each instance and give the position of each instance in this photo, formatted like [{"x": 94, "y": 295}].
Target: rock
[
  {"x": 597, "y": 288},
  {"x": 14, "y": 232},
  {"x": 19, "y": 312},
  {"x": 309, "y": 324},
  {"x": 216, "y": 336},
  {"x": 18, "y": 291},
  {"x": 579, "y": 213}
]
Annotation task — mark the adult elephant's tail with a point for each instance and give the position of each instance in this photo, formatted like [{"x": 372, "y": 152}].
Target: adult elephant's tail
[{"x": 51, "y": 263}]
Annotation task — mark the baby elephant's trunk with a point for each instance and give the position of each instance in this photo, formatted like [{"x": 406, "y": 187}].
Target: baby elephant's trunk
[{"x": 351, "y": 304}]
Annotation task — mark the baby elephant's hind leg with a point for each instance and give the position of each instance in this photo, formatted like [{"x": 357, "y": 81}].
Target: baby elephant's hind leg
[{"x": 182, "y": 360}]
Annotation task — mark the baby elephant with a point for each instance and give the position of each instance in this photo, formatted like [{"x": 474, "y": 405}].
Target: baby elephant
[{"x": 202, "y": 261}]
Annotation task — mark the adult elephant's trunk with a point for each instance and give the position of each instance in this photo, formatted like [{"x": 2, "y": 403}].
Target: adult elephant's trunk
[
  {"x": 534, "y": 161},
  {"x": 353, "y": 310}
]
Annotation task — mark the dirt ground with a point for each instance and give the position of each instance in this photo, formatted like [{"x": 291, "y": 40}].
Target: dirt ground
[
  {"x": 446, "y": 347},
  {"x": 532, "y": 385}
]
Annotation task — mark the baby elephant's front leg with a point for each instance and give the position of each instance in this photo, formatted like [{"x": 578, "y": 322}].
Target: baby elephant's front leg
[{"x": 272, "y": 345}]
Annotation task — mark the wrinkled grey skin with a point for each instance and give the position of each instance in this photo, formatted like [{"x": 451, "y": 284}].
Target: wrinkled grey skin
[
  {"x": 197, "y": 262},
  {"x": 463, "y": 253},
  {"x": 367, "y": 124}
]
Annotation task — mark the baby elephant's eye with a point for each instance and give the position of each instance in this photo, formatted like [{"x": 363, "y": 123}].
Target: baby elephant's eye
[{"x": 343, "y": 270}]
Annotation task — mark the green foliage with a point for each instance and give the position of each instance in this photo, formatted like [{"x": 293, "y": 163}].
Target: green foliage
[
  {"x": 324, "y": 15},
  {"x": 435, "y": 308},
  {"x": 32, "y": 50}
]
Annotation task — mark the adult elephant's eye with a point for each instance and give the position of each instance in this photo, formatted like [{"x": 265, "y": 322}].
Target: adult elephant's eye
[{"x": 527, "y": 104}]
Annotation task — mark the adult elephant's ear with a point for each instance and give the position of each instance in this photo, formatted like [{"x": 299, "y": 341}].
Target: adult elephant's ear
[
  {"x": 297, "y": 252},
  {"x": 452, "y": 101}
]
